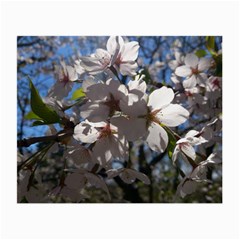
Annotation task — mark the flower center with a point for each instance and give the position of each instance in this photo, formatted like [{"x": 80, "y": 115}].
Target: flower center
[
  {"x": 106, "y": 131},
  {"x": 216, "y": 83},
  {"x": 195, "y": 71},
  {"x": 152, "y": 117},
  {"x": 64, "y": 79},
  {"x": 113, "y": 105}
]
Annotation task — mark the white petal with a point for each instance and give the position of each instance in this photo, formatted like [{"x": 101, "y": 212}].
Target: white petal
[
  {"x": 173, "y": 115},
  {"x": 117, "y": 90},
  {"x": 201, "y": 79},
  {"x": 191, "y": 133},
  {"x": 127, "y": 177},
  {"x": 191, "y": 60},
  {"x": 114, "y": 172},
  {"x": 188, "y": 150},
  {"x": 128, "y": 68},
  {"x": 160, "y": 98},
  {"x": 89, "y": 81},
  {"x": 132, "y": 128},
  {"x": 133, "y": 109},
  {"x": 85, "y": 133},
  {"x": 112, "y": 44},
  {"x": 92, "y": 65},
  {"x": 183, "y": 71},
  {"x": 175, "y": 154},
  {"x": 189, "y": 187},
  {"x": 98, "y": 92},
  {"x": 79, "y": 69},
  {"x": 129, "y": 52},
  {"x": 142, "y": 177},
  {"x": 75, "y": 181},
  {"x": 102, "y": 151},
  {"x": 94, "y": 111},
  {"x": 118, "y": 146},
  {"x": 190, "y": 82},
  {"x": 173, "y": 64},
  {"x": 97, "y": 182},
  {"x": 204, "y": 64},
  {"x": 72, "y": 74},
  {"x": 157, "y": 138}
]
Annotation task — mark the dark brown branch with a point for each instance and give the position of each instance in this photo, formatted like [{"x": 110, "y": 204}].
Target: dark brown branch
[{"x": 60, "y": 136}]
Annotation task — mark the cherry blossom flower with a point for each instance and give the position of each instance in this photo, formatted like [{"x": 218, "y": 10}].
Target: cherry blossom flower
[
  {"x": 193, "y": 70},
  {"x": 120, "y": 55},
  {"x": 145, "y": 119},
  {"x": 128, "y": 175},
  {"x": 198, "y": 175},
  {"x": 81, "y": 177},
  {"x": 185, "y": 145},
  {"x": 178, "y": 61},
  {"x": 109, "y": 143},
  {"x": 66, "y": 75},
  {"x": 104, "y": 100}
]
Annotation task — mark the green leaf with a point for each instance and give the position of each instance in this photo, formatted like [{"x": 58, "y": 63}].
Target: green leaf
[
  {"x": 210, "y": 44},
  {"x": 171, "y": 142},
  {"x": 38, "y": 123},
  {"x": 39, "y": 108},
  {"x": 31, "y": 115},
  {"x": 201, "y": 53},
  {"x": 78, "y": 94}
]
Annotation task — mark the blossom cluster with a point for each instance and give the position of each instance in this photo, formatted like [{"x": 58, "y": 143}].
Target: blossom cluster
[{"x": 114, "y": 115}]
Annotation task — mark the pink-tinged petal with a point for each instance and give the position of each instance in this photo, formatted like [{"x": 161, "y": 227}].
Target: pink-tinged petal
[
  {"x": 183, "y": 71},
  {"x": 84, "y": 132},
  {"x": 191, "y": 60},
  {"x": 94, "y": 111},
  {"x": 133, "y": 109},
  {"x": 160, "y": 98},
  {"x": 113, "y": 42},
  {"x": 190, "y": 82},
  {"x": 132, "y": 128},
  {"x": 204, "y": 64},
  {"x": 157, "y": 138},
  {"x": 129, "y": 52},
  {"x": 188, "y": 150},
  {"x": 128, "y": 68},
  {"x": 173, "y": 115}
]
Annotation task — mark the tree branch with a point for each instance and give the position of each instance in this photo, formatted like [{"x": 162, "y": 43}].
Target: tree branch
[{"x": 60, "y": 136}]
